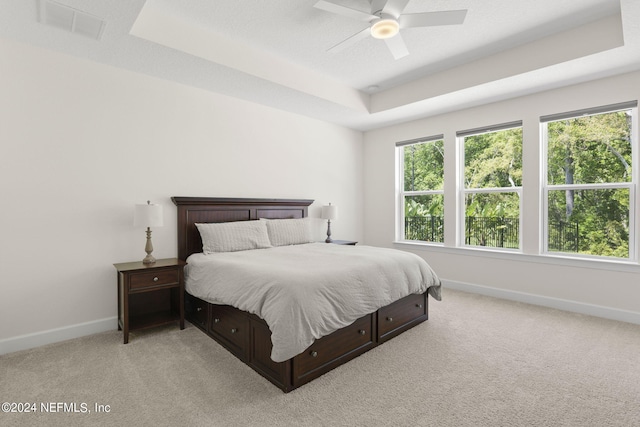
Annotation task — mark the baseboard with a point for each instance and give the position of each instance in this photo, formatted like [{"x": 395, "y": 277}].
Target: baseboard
[
  {"x": 560, "y": 304},
  {"x": 24, "y": 342}
]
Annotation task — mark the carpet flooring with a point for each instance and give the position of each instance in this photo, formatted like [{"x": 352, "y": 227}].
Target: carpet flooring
[{"x": 478, "y": 361}]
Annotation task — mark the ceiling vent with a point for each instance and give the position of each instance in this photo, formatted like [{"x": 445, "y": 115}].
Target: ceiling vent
[{"x": 69, "y": 19}]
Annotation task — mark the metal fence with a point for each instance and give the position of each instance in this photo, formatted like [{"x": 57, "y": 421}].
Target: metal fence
[
  {"x": 425, "y": 228},
  {"x": 498, "y": 232},
  {"x": 563, "y": 236}
]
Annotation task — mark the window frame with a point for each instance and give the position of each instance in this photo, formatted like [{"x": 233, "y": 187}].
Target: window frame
[
  {"x": 463, "y": 191},
  {"x": 403, "y": 194},
  {"x": 631, "y": 186}
]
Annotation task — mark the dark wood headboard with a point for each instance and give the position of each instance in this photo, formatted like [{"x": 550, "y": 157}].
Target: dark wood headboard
[{"x": 192, "y": 210}]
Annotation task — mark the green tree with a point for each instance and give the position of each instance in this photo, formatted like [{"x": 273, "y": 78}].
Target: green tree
[
  {"x": 493, "y": 160},
  {"x": 424, "y": 166}
]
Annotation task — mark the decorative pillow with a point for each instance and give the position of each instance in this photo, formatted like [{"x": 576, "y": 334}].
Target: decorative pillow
[
  {"x": 293, "y": 231},
  {"x": 233, "y": 236}
]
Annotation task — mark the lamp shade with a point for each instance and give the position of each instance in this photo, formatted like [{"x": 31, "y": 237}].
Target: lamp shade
[
  {"x": 330, "y": 212},
  {"x": 147, "y": 215}
]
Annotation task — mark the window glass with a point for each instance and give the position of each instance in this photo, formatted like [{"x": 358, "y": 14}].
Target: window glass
[
  {"x": 492, "y": 185},
  {"x": 591, "y": 149},
  {"x": 597, "y": 225},
  {"x": 493, "y": 159},
  {"x": 589, "y": 184},
  {"x": 493, "y": 219},
  {"x": 424, "y": 218},
  {"x": 424, "y": 166},
  {"x": 423, "y": 191}
]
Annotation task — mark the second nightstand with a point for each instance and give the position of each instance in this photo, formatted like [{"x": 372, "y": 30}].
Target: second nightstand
[
  {"x": 344, "y": 242},
  {"x": 150, "y": 294}
]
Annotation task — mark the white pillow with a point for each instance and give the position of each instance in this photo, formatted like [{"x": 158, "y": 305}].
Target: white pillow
[
  {"x": 233, "y": 236},
  {"x": 292, "y": 231}
]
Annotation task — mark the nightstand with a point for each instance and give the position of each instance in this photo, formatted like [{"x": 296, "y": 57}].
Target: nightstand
[
  {"x": 344, "y": 242},
  {"x": 150, "y": 294}
]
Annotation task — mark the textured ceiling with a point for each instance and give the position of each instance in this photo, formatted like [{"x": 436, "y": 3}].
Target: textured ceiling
[{"x": 275, "y": 52}]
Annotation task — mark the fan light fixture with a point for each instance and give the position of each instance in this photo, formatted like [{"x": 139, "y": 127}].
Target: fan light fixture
[
  {"x": 385, "y": 19},
  {"x": 385, "y": 28}
]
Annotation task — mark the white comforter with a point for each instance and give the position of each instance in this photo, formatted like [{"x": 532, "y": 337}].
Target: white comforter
[{"x": 305, "y": 292}]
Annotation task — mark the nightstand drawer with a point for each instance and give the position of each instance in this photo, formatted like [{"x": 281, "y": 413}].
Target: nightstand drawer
[{"x": 154, "y": 279}]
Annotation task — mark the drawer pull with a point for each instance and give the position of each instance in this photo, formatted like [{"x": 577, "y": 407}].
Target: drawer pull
[
  {"x": 199, "y": 309},
  {"x": 419, "y": 305},
  {"x": 155, "y": 279},
  {"x": 314, "y": 354},
  {"x": 216, "y": 320},
  {"x": 362, "y": 332},
  {"x": 389, "y": 319},
  {"x": 234, "y": 330}
]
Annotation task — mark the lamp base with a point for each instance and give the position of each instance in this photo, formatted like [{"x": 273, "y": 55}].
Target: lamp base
[
  {"x": 328, "y": 240},
  {"x": 149, "y": 259}
]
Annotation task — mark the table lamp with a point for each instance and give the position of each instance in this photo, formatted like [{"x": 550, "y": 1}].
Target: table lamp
[
  {"x": 329, "y": 212},
  {"x": 148, "y": 216}
]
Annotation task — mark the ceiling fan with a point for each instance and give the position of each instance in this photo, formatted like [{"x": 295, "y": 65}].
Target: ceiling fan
[{"x": 385, "y": 21}]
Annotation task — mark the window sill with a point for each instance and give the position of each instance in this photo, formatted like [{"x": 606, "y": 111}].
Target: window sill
[{"x": 511, "y": 255}]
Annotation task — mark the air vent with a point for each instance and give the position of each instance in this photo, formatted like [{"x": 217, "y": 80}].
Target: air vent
[{"x": 69, "y": 19}]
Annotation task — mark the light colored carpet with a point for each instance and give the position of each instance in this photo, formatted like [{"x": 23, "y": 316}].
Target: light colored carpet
[{"x": 478, "y": 361}]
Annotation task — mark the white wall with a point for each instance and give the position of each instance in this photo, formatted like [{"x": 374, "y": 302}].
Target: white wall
[
  {"x": 83, "y": 142},
  {"x": 607, "y": 289}
]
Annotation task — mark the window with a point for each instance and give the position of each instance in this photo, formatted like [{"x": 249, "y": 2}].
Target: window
[
  {"x": 589, "y": 193},
  {"x": 422, "y": 189},
  {"x": 491, "y": 174},
  {"x": 587, "y": 186}
]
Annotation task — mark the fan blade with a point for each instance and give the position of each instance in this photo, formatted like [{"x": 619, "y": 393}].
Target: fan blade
[
  {"x": 394, "y": 7},
  {"x": 431, "y": 19},
  {"x": 396, "y": 46},
  {"x": 344, "y": 11},
  {"x": 351, "y": 40},
  {"x": 377, "y": 6}
]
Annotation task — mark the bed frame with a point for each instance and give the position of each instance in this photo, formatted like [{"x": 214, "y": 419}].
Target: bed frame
[{"x": 247, "y": 336}]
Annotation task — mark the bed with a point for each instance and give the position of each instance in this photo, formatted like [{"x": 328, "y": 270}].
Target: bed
[{"x": 246, "y": 324}]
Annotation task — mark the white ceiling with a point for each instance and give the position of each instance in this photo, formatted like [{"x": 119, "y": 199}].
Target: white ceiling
[{"x": 274, "y": 52}]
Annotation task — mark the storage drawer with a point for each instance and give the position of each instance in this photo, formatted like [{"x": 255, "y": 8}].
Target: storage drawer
[
  {"x": 334, "y": 346},
  {"x": 231, "y": 327},
  {"x": 196, "y": 310},
  {"x": 278, "y": 373},
  {"x": 154, "y": 279},
  {"x": 400, "y": 313}
]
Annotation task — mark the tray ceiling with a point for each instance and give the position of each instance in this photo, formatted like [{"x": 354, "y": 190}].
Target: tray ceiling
[{"x": 275, "y": 52}]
